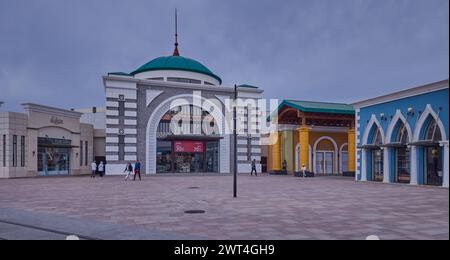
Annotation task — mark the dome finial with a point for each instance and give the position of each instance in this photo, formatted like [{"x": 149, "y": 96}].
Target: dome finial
[{"x": 176, "y": 52}]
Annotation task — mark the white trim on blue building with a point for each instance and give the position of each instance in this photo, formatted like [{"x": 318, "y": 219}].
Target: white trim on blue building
[{"x": 403, "y": 137}]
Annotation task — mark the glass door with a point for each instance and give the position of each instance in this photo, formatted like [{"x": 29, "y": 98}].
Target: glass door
[
  {"x": 212, "y": 157},
  {"x": 324, "y": 162},
  {"x": 403, "y": 172},
  {"x": 433, "y": 170},
  {"x": 319, "y": 163},
  {"x": 377, "y": 165},
  {"x": 329, "y": 162}
]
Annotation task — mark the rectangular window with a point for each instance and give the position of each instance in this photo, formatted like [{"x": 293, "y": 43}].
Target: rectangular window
[
  {"x": 121, "y": 148},
  {"x": 4, "y": 150},
  {"x": 14, "y": 150},
  {"x": 22, "y": 151},
  {"x": 86, "y": 153},
  {"x": 81, "y": 153}
]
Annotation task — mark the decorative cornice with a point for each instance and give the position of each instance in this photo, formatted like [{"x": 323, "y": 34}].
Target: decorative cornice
[
  {"x": 31, "y": 107},
  {"x": 444, "y": 84}
]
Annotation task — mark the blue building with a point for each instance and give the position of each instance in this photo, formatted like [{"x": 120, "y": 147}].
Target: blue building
[{"x": 403, "y": 137}]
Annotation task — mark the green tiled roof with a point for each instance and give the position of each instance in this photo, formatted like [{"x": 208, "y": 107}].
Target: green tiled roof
[
  {"x": 319, "y": 107},
  {"x": 176, "y": 63}
]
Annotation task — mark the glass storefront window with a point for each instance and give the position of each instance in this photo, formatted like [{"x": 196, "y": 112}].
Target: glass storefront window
[
  {"x": 164, "y": 157},
  {"x": 53, "y": 161},
  {"x": 187, "y": 157},
  {"x": 324, "y": 162},
  {"x": 403, "y": 172},
  {"x": 377, "y": 161},
  {"x": 212, "y": 157},
  {"x": 433, "y": 170},
  {"x": 402, "y": 156},
  {"x": 189, "y": 162}
]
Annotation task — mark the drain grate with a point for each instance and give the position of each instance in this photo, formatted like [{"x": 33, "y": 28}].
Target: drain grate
[
  {"x": 194, "y": 211},
  {"x": 194, "y": 188}
]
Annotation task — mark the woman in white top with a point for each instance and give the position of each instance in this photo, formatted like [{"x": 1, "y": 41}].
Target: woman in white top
[{"x": 304, "y": 171}]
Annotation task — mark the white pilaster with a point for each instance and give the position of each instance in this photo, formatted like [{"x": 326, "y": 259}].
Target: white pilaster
[
  {"x": 364, "y": 165},
  {"x": 386, "y": 165},
  {"x": 446, "y": 164},
  {"x": 414, "y": 174}
]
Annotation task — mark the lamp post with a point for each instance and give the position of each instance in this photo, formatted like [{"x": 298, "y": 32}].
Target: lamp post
[{"x": 235, "y": 142}]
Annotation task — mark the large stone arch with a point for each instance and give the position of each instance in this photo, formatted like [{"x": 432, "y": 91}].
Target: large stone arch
[{"x": 151, "y": 135}]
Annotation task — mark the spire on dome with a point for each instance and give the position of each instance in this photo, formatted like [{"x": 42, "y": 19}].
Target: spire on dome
[{"x": 176, "y": 52}]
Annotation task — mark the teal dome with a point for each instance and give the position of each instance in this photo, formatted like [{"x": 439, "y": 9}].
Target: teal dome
[{"x": 176, "y": 63}]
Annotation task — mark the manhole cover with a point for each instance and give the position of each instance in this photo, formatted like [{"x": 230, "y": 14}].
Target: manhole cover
[
  {"x": 194, "y": 212},
  {"x": 194, "y": 188}
]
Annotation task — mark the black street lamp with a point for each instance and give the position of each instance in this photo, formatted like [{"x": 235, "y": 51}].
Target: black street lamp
[{"x": 235, "y": 142}]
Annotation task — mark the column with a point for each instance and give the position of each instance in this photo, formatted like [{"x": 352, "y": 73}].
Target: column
[
  {"x": 414, "y": 174},
  {"x": 287, "y": 144},
  {"x": 276, "y": 156},
  {"x": 351, "y": 150},
  {"x": 387, "y": 164},
  {"x": 303, "y": 137},
  {"x": 446, "y": 164},
  {"x": 364, "y": 165}
]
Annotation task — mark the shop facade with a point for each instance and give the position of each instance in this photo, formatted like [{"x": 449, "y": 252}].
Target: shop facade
[
  {"x": 315, "y": 134},
  {"x": 143, "y": 106},
  {"x": 44, "y": 141},
  {"x": 403, "y": 137}
]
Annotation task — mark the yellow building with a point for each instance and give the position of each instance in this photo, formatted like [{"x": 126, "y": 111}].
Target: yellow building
[{"x": 319, "y": 135}]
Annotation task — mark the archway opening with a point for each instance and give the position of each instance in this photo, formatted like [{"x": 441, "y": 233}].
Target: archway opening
[
  {"x": 432, "y": 153},
  {"x": 188, "y": 141},
  {"x": 377, "y": 156},
  {"x": 325, "y": 157},
  {"x": 402, "y": 154}
]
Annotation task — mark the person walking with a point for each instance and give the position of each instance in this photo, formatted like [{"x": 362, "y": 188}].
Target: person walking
[
  {"x": 93, "y": 169},
  {"x": 101, "y": 169},
  {"x": 284, "y": 166},
  {"x": 254, "y": 168},
  {"x": 129, "y": 171},
  {"x": 304, "y": 171},
  {"x": 137, "y": 170}
]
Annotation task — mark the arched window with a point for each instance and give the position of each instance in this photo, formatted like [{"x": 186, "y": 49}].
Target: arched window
[
  {"x": 402, "y": 135},
  {"x": 377, "y": 138},
  {"x": 433, "y": 132}
]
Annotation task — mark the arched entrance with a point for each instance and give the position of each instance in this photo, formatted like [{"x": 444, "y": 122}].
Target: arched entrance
[
  {"x": 325, "y": 156},
  {"x": 399, "y": 135},
  {"x": 372, "y": 153},
  {"x": 195, "y": 149},
  {"x": 158, "y": 145},
  {"x": 428, "y": 135}
]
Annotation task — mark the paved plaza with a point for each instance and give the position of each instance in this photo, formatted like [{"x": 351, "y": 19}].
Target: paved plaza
[{"x": 268, "y": 207}]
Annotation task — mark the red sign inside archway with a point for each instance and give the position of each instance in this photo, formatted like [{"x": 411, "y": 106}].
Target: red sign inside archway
[{"x": 188, "y": 147}]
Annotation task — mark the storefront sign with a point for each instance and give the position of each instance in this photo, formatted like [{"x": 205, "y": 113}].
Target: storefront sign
[
  {"x": 55, "y": 120},
  {"x": 188, "y": 147}
]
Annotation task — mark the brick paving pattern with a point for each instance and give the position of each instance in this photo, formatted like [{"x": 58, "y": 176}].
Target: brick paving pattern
[{"x": 268, "y": 207}]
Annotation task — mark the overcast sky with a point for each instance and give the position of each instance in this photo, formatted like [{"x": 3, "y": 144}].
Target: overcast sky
[{"x": 54, "y": 52}]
